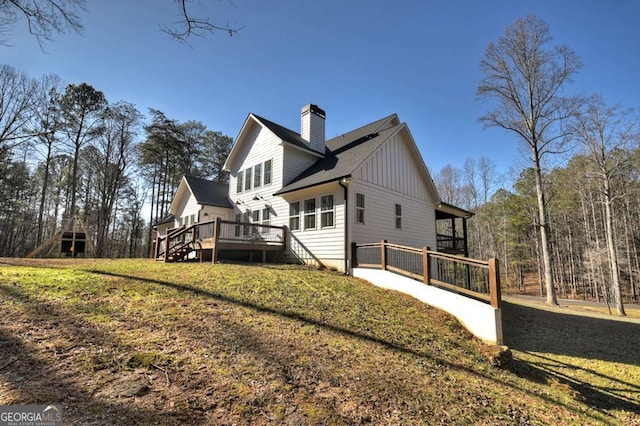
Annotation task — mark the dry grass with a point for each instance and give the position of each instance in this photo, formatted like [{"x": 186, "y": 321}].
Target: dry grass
[{"x": 149, "y": 343}]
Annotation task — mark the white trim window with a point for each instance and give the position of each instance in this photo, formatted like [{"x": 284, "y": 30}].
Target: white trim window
[
  {"x": 266, "y": 216},
  {"x": 294, "y": 216},
  {"x": 267, "y": 171},
  {"x": 310, "y": 213},
  {"x": 327, "y": 211},
  {"x": 266, "y": 220},
  {"x": 359, "y": 208},
  {"x": 398, "y": 216},
  {"x": 255, "y": 218},
  {"x": 239, "y": 178},
  {"x": 247, "y": 179},
  {"x": 257, "y": 175}
]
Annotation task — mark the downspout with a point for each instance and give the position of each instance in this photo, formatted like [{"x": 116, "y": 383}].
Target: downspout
[{"x": 346, "y": 225}]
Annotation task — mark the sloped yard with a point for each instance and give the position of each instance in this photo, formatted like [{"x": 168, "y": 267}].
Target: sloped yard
[{"x": 139, "y": 342}]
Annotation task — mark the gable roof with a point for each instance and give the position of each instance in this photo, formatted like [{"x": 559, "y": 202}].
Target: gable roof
[
  {"x": 287, "y": 136},
  {"x": 206, "y": 192}
]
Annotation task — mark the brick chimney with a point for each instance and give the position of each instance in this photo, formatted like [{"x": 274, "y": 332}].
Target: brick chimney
[{"x": 312, "y": 120}]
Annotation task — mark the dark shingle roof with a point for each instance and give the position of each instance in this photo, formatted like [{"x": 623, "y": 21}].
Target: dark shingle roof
[
  {"x": 344, "y": 154},
  {"x": 208, "y": 192},
  {"x": 285, "y": 134},
  {"x": 167, "y": 219}
]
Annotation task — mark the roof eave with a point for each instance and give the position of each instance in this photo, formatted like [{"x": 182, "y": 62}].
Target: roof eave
[{"x": 311, "y": 185}]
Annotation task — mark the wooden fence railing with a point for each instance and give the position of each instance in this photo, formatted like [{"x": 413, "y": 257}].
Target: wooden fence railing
[
  {"x": 475, "y": 278},
  {"x": 219, "y": 231}
]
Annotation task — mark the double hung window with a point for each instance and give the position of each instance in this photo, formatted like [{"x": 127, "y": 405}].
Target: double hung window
[{"x": 327, "y": 212}]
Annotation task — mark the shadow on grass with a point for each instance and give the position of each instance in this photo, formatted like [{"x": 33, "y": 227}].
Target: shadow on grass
[
  {"x": 596, "y": 398},
  {"x": 542, "y": 334},
  {"x": 33, "y": 377}
]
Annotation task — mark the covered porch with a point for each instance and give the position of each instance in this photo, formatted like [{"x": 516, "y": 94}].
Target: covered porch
[{"x": 451, "y": 229}]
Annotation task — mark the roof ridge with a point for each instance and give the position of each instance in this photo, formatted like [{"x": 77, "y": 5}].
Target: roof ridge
[{"x": 380, "y": 120}]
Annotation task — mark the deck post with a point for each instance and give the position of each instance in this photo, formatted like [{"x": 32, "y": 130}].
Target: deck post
[
  {"x": 216, "y": 234},
  {"x": 166, "y": 247},
  {"x": 383, "y": 255},
  {"x": 494, "y": 283},
  {"x": 425, "y": 265}
]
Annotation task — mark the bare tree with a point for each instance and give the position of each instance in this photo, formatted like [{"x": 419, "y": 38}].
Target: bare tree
[
  {"x": 45, "y": 125},
  {"x": 606, "y": 133},
  {"x": 450, "y": 184},
  {"x": 45, "y": 18},
  {"x": 525, "y": 77},
  {"x": 17, "y": 92},
  {"x": 48, "y": 18},
  {"x": 190, "y": 25},
  {"x": 81, "y": 111}
]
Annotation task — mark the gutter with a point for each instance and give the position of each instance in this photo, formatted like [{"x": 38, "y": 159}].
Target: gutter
[
  {"x": 311, "y": 185},
  {"x": 346, "y": 224}
]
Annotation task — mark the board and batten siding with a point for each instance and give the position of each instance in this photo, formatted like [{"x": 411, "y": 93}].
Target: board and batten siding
[
  {"x": 390, "y": 176},
  {"x": 324, "y": 245},
  {"x": 393, "y": 167}
]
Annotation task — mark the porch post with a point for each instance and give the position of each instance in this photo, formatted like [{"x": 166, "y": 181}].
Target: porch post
[
  {"x": 383, "y": 255},
  {"x": 465, "y": 240}
]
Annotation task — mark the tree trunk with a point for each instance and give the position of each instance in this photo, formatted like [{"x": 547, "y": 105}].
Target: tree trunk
[
  {"x": 544, "y": 233},
  {"x": 613, "y": 255}
]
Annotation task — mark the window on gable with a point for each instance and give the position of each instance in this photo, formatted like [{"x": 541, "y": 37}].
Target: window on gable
[
  {"x": 359, "y": 208},
  {"x": 239, "y": 182},
  {"x": 257, "y": 175},
  {"x": 294, "y": 216},
  {"x": 327, "y": 213},
  {"x": 247, "y": 179},
  {"x": 310, "y": 213},
  {"x": 398, "y": 216},
  {"x": 267, "y": 172}
]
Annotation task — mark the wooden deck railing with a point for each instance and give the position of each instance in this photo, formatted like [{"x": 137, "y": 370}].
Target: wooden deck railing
[
  {"x": 218, "y": 231},
  {"x": 475, "y": 278}
]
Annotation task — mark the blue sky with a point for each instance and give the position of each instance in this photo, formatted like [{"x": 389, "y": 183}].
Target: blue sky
[{"x": 359, "y": 60}]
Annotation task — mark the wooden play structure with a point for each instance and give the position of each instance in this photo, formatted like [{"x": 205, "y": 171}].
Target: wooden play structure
[{"x": 72, "y": 240}]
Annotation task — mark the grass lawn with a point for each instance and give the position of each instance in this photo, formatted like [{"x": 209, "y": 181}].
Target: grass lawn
[{"x": 140, "y": 342}]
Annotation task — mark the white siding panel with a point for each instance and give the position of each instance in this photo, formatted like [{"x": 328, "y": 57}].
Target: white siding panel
[
  {"x": 259, "y": 146},
  {"x": 325, "y": 245},
  {"x": 297, "y": 161},
  {"x": 418, "y": 217}
]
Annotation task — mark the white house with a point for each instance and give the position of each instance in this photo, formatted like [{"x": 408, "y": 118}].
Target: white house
[{"x": 367, "y": 185}]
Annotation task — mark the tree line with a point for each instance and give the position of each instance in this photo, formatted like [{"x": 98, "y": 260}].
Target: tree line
[
  {"x": 574, "y": 226},
  {"x": 67, "y": 152}
]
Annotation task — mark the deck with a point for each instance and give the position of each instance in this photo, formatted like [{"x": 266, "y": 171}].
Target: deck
[{"x": 211, "y": 237}]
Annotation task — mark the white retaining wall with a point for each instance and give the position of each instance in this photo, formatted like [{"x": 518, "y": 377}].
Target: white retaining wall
[{"x": 483, "y": 320}]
